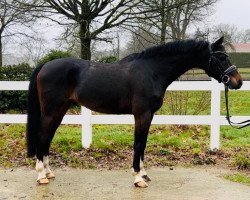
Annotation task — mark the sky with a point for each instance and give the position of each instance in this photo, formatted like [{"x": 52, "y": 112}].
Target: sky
[{"x": 235, "y": 12}]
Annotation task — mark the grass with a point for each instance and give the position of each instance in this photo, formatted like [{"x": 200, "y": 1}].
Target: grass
[{"x": 238, "y": 177}]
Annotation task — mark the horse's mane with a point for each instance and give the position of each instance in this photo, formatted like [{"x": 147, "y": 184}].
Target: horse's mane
[
  {"x": 170, "y": 48},
  {"x": 176, "y": 47}
]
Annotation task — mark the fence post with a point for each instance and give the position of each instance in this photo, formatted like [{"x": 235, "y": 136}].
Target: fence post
[
  {"x": 215, "y": 116},
  {"x": 86, "y": 127}
]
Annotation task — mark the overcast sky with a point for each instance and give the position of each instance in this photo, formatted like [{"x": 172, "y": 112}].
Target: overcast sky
[{"x": 235, "y": 12}]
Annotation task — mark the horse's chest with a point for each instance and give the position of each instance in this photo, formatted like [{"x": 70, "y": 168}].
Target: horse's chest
[{"x": 156, "y": 102}]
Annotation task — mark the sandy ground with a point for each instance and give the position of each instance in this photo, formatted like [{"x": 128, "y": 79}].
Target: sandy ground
[{"x": 177, "y": 184}]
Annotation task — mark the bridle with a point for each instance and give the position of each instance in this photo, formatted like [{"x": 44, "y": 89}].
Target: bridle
[{"x": 224, "y": 78}]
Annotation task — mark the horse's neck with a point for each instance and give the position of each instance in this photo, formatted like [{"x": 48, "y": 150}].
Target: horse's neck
[{"x": 169, "y": 69}]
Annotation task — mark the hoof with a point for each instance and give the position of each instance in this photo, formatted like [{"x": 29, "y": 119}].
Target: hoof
[
  {"x": 50, "y": 175},
  {"x": 43, "y": 181},
  {"x": 146, "y": 178},
  {"x": 141, "y": 184}
]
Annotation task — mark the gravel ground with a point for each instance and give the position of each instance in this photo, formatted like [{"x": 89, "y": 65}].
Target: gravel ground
[{"x": 177, "y": 184}]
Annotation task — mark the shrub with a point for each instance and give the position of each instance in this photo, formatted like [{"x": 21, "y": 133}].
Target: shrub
[
  {"x": 14, "y": 100},
  {"x": 17, "y": 100},
  {"x": 54, "y": 54},
  {"x": 241, "y": 60},
  {"x": 20, "y": 72},
  {"x": 108, "y": 59}
]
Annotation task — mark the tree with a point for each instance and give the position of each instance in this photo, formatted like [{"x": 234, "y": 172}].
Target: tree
[
  {"x": 193, "y": 11},
  {"x": 175, "y": 16},
  {"x": 230, "y": 33},
  {"x": 244, "y": 36},
  {"x": 33, "y": 49},
  {"x": 92, "y": 18},
  {"x": 141, "y": 38},
  {"x": 13, "y": 13}
]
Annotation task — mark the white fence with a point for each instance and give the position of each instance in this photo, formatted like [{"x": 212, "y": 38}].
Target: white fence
[{"x": 86, "y": 119}]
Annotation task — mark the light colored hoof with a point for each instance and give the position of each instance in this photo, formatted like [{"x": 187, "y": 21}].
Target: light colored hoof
[
  {"x": 146, "y": 178},
  {"x": 141, "y": 184},
  {"x": 43, "y": 181},
  {"x": 50, "y": 175}
]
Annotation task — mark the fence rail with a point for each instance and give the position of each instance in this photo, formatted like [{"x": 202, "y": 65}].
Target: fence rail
[{"x": 86, "y": 119}]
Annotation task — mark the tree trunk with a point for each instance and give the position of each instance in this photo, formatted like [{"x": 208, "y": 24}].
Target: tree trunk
[
  {"x": 85, "y": 48},
  {"x": 85, "y": 41},
  {"x": 1, "y": 53},
  {"x": 163, "y": 22}
]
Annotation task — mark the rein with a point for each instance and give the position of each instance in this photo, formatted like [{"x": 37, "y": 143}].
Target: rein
[
  {"x": 224, "y": 78},
  {"x": 232, "y": 124}
]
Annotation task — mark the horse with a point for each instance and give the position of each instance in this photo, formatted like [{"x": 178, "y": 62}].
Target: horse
[{"x": 134, "y": 85}]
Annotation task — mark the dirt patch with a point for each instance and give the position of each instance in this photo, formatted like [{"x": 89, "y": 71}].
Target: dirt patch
[{"x": 179, "y": 183}]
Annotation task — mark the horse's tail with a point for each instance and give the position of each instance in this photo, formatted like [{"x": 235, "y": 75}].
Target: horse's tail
[{"x": 34, "y": 114}]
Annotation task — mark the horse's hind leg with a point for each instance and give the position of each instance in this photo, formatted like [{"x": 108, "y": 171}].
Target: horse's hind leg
[{"x": 49, "y": 123}]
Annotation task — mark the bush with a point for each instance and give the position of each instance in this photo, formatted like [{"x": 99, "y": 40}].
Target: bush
[
  {"x": 14, "y": 100},
  {"x": 17, "y": 100},
  {"x": 108, "y": 59},
  {"x": 21, "y": 72},
  {"x": 241, "y": 60},
  {"x": 54, "y": 54}
]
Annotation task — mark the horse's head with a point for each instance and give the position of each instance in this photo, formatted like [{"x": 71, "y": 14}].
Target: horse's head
[{"x": 221, "y": 68}]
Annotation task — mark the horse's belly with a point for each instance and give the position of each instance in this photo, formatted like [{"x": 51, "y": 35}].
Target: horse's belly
[
  {"x": 105, "y": 102},
  {"x": 107, "y": 107}
]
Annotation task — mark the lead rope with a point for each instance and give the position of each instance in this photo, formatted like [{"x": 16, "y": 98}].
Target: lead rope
[{"x": 242, "y": 124}]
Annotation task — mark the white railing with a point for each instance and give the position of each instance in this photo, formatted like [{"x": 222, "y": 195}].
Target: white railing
[{"x": 86, "y": 119}]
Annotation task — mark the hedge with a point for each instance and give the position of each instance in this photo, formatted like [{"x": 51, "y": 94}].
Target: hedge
[
  {"x": 14, "y": 100},
  {"x": 241, "y": 60}
]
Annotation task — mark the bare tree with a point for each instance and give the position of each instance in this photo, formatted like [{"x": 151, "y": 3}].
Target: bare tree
[
  {"x": 92, "y": 18},
  {"x": 193, "y": 11},
  {"x": 34, "y": 49},
  {"x": 230, "y": 33},
  {"x": 13, "y": 14},
  {"x": 244, "y": 36},
  {"x": 175, "y": 16}
]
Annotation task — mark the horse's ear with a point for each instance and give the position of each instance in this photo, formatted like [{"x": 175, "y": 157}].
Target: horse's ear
[{"x": 218, "y": 43}]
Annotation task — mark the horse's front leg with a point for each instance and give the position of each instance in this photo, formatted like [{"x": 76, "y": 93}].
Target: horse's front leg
[{"x": 142, "y": 124}]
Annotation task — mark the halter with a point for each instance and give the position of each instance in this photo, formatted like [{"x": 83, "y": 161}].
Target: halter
[{"x": 224, "y": 78}]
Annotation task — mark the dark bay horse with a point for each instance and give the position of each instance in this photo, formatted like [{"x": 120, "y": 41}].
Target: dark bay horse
[{"x": 135, "y": 85}]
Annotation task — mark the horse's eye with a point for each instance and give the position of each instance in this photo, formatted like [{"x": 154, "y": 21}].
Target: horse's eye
[{"x": 223, "y": 57}]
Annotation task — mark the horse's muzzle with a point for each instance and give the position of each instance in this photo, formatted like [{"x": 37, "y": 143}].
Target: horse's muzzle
[
  {"x": 234, "y": 81},
  {"x": 235, "y": 85},
  {"x": 232, "y": 78}
]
